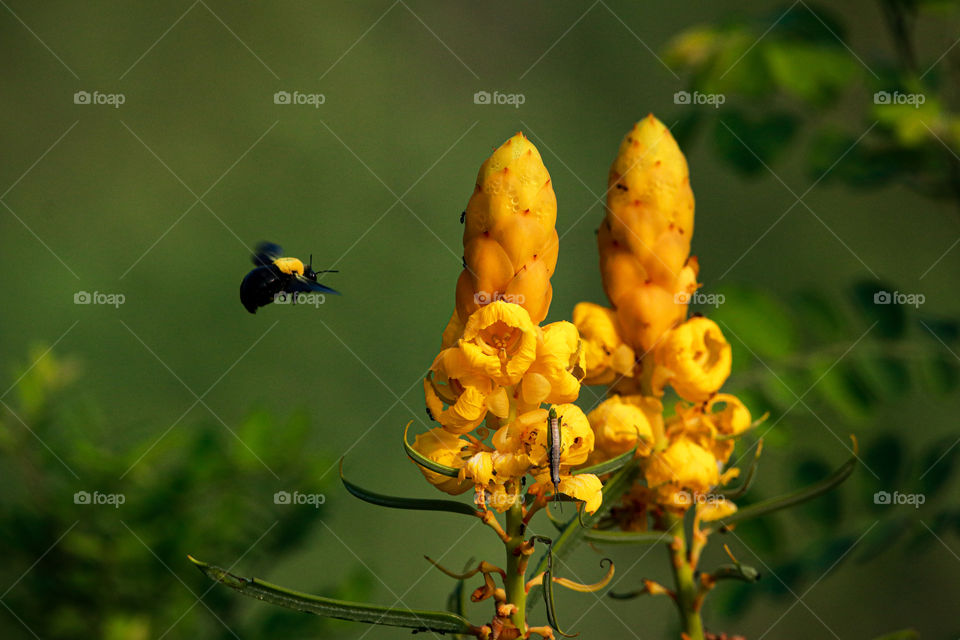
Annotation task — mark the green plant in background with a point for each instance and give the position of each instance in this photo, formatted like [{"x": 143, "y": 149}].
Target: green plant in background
[
  {"x": 824, "y": 361},
  {"x": 873, "y": 120},
  {"x": 122, "y": 528}
]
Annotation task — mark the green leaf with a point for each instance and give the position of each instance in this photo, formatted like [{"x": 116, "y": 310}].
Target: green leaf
[
  {"x": 941, "y": 373},
  {"x": 741, "y": 572},
  {"x": 843, "y": 386},
  {"x": 826, "y": 511},
  {"x": 903, "y": 634},
  {"x": 813, "y": 73},
  {"x": 437, "y": 621},
  {"x": 423, "y": 504},
  {"x": 424, "y": 461},
  {"x": 749, "y": 141},
  {"x": 811, "y": 23},
  {"x": 625, "y": 537},
  {"x": 888, "y": 374},
  {"x": 885, "y": 456},
  {"x": 875, "y": 301},
  {"x": 800, "y": 496},
  {"x": 882, "y": 538},
  {"x": 820, "y": 317},
  {"x": 937, "y": 465},
  {"x": 578, "y": 526},
  {"x": 609, "y": 466},
  {"x": 755, "y": 316}
]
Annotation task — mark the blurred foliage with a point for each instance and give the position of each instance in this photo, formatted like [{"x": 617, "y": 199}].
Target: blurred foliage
[
  {"x": 873, "y": 118},
  {"x": 820, "y": 364},
  {"x": 121, "y": 572}
]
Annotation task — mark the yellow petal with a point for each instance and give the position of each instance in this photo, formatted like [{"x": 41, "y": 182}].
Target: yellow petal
[
  {"x": 586, "y": 487},
  {"x": 535, "y": 388}
]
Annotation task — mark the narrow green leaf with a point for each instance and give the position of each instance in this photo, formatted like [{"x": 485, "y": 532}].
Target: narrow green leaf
[
  {"x": 609, "y": 466},
  {"x": 625, "y": 537},
  {"x": 573, "y": 531},
  {"x": 903, "y": 634},
  {"x": 424, "y": 461},
  {"x": 937, "y": 464},
  {"x": 394, "y": 502},
  {"x": 437, "y": 621},
  {"x": 738, "y": 571},
  {"x": 735, "y": 492},
  {"x": 797, "y": 497},
  {"x": 878, "y": 303}
]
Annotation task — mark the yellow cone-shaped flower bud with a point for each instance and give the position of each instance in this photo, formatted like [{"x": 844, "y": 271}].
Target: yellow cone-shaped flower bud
[
  {"x": 510, "y": 241},
  {"x": 694, "y": 358},
  {"x": 645, "y": 239}
]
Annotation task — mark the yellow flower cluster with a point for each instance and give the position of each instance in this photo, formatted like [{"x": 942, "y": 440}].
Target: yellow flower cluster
[
  {"x": 645, "y": 342},
  {"x": 497, "y": 364}
]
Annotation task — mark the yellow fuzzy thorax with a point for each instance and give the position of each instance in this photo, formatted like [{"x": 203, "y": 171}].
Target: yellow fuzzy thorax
[{"x": 292, "y": 266}]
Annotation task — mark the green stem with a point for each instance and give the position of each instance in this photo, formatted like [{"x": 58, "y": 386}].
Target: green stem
[
  {"x": 686, "y": 588},
  {"x": 514, "y": 584}
]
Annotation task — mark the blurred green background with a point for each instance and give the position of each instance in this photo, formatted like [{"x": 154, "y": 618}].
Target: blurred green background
[{"x": 160, "y": 199}]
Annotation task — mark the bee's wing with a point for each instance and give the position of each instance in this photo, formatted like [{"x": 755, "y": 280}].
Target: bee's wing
[
  {"x": 266, "y": 253},
  {"x": 299, "y": 283}
]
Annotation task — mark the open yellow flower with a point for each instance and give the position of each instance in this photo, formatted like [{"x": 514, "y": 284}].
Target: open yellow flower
[
  {"x": 447, "y": 449},
  {"x": 606, "y": 356},
  {"x": 681, "y": 467},
  {"x": 500, "y": 341},
  {"x": 623, "y": 422},
  {"x": 456, "y": 394},
  {"x": 694, "y": 358},
  {"x": 555, "y": 375}
]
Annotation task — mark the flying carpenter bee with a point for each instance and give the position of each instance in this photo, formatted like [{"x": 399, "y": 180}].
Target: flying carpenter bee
[
  {"x": 553, "y": 452},
  {"x": 275, "y": 274}
]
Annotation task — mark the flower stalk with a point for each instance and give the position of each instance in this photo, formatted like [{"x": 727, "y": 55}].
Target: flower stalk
[{"x": 686, "y": 596}]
